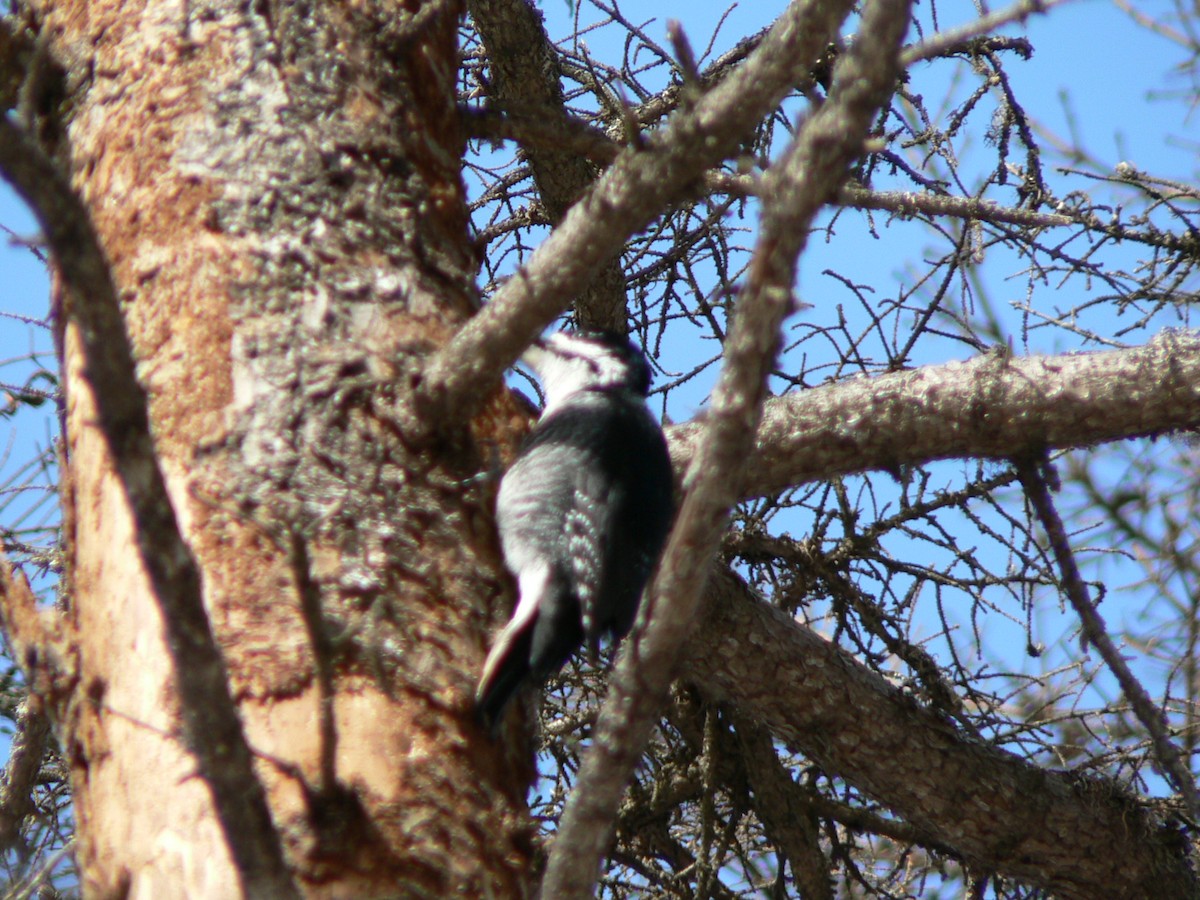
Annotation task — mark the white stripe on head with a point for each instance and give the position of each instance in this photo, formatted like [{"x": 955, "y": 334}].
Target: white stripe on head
[{"x": 568, "y": 363}]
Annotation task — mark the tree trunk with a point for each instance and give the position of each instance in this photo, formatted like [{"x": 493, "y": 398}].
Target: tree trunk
[{"x": 276, "y": 187}]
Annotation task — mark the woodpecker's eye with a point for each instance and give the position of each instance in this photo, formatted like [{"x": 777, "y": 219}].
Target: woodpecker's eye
[{"x": 590, "y": 361}]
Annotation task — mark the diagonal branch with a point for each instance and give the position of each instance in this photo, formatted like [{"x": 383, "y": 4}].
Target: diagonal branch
[
  {"x": 1096, "y": 633},
  {"x": 525, "y": 80},
  {"x": 211, "y": 725},
  {"x": 1079, "y": 837},
  {"x": 643, "y": 181},
  {"x": 808, "y": 175},
  {"x": 992, "y": 406},
  {"x": 789, "y": 822},
  {"x": 567, "y": 133},
  {"x": 27, "y": 753},
  {"x": 957, "y": 40}
]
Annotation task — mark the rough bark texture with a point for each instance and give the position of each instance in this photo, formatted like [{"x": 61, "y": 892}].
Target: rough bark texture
[
  {"x": 277, "y": 191},
  {"x": 526, "y": 84},
  {"x": 997, "y": 811},
  {"x": 995, "y": 405}
]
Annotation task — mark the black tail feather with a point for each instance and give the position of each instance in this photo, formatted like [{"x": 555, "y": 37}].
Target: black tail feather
[{"x": 538, "y": 650}]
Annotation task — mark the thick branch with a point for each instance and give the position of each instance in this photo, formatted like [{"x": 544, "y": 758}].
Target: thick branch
[
  {"x": 643, "y": 182},
  {"x": 561, "y": 132},
  {"x": 809, "y": 174},
  {"x": 992, "y": 406},
  {"x": 525, "y": 80},
  {"x": 24, "y": 763},
  {"x": 1079, "y": 837},
  {"x": 789, "y": 822},
  {"x": 36, "y": 644},
  {"x": 211, "y": 725}
]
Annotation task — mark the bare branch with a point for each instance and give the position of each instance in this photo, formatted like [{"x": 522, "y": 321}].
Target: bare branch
[
  {"x": 992, "y": 406},
  {"x": 525, "y": 80},
  {"x": 907, "y": 203},
  {"x": 790, "y": 823},
  {"x": 559, "y": 131},
  {"x": 32, "y": 637},
  {"x": 1002, "y": 814},
  {"x": 567, "y": 133},
  {"x": 953, "y": 39},
  {"x": 24, "y": 762},
  {"x": 211, "y": 725},
  {"x": 1096, "y": 633}
]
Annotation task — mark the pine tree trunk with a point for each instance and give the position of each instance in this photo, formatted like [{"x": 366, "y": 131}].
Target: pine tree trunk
[{"x": 276, "y": 186}]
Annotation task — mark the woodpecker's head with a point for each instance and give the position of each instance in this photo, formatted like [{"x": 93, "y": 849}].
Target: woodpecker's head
[{"x": 569, "y": 362}]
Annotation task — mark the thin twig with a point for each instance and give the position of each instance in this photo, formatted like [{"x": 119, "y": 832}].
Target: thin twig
[
  {"x": 46, "y": 870},
  {"x": 1095, "y": 632},
  {"x": 945, "y": 41}
]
